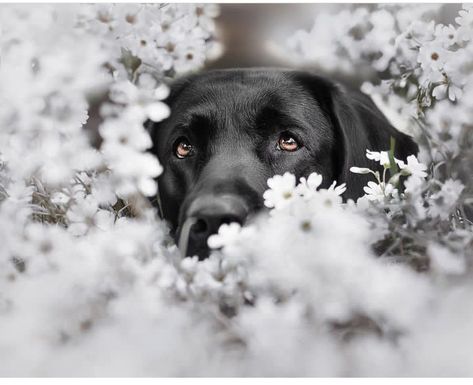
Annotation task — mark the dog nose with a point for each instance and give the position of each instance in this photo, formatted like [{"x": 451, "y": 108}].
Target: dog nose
[
  {"x": 207, "y": 225},
  {"x": 207, "y": 215}
]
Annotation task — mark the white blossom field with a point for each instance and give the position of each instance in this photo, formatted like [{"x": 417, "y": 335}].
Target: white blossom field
[{"x": 92, "y": 283}]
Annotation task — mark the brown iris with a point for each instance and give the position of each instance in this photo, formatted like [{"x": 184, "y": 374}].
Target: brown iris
[
  {"x": 287, "y": 142},
  {"x": 183, "y": 148}
]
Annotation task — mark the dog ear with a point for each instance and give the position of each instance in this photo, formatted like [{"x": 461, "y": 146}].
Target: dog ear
[{"x": 358, "y": 126}]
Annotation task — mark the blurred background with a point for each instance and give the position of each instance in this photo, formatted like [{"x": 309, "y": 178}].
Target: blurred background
[{"x": 248, "y": 31}]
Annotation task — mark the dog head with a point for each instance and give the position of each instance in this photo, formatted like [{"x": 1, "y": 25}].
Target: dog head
[{"x": 231, "y": 130}]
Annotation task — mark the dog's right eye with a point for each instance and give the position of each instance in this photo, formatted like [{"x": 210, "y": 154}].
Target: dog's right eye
[
  {"x": 287, "y": 142},
  {"x": 183, "y": 148}
]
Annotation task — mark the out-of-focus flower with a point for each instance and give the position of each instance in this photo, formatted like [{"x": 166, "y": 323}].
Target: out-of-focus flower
[
  {"x": 330, "y": 197},
  {"x": 124, "y": 133},
  {"x": 88, "y": 270},
  {"x": 446, "y": 34},
  {"x": 465, "y": 21},
  {"x": 227, "y": 234},
  {"x": 85, "y": 214},
  {"x": 141, "y": 103},
  {"x": 413, "y": 193},
  {"x": 444, "y": 261},
  {"x": 442, "y": 203}
]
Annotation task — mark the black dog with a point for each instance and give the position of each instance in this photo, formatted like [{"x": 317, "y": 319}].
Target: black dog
[{"x": 231, "y": 130}]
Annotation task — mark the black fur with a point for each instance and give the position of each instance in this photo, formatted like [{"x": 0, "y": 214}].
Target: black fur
[{"x": 233, "y": 119}]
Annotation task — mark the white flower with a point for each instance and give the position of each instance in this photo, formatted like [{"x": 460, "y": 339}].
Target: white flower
[
  {"x": 465, "y": 21},
  {"x": 451, "y": 84},
  {"x": 414, "y": 187},
  {"x": 141, "y": 103},
  {"x": 432, "y": 56},
  {"x": 68, "y": 194},
  {"x": 374, "y": 191},
  {"x": 379, "y": 192},
  {"x": 189, "y": 58},
  {"x": 360, "y": 170},
  {"x": 447, "y": 89},
  {"x": 307, "y": 187},
  {"x": 157, "y": 111},
  {"x": 444, "y": 261},
  {"x": 125, "y": 132},
  {"x": 133, "y": 171},
  {"x": 227, "y": 235},
  {"x": 454, "y": 92},
  {"x": 282, "y": 189},
  {"x": 189, "y": 267},
  {"x": 329, "y": 198},
  {"x": 442, "y": 203},
  {"x": 440, "y": 92},
  {"x": 206, "y": 15},
  {"x": 381, "y": 157},
  {"x": 161, "y": 92},
  {"x": 446, "y": 123},
  {"x": 338, "y": 190},
  {"x": 420, "y": 30},
  {"x": 85, "y": 214},
  {"x": 413, "y": 167},
  {"x": 447, "y": 35}
]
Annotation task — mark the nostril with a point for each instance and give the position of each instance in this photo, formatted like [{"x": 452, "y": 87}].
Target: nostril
[
  {"x": 207, "y": 225},
  {"x": 200, "y": 227},
  {"x": 204, "y": 216}
]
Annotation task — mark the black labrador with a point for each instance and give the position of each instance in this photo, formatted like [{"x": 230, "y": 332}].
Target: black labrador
[{"x": 231, "y": 130}]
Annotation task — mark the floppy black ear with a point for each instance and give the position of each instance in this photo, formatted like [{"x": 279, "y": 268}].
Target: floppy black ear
[{"x": 359, "y": 125}]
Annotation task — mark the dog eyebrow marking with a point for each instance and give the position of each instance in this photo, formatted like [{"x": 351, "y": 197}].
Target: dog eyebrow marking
[
  {"x": 194, "y": 121},
  {"x": 268, "y": 118}
]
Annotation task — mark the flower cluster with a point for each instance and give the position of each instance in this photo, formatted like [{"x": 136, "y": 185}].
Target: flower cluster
[
  {"x": 79, "y": 238},
  {"x": 426, "y": 62},
  {"x": 420, "y": 76},
  {"x": 161, "y": 39},
  {"x": 92, "y": 284},
  {"x": 387, "y": 275}
]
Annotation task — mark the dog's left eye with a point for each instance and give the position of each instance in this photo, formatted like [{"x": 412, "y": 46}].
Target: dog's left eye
[
  {"x": 183, "y": 148},
  {"x": 287, "y": 142}
]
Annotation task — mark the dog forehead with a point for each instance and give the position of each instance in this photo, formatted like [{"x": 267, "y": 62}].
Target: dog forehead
[{"x": 242, "y": 91}]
